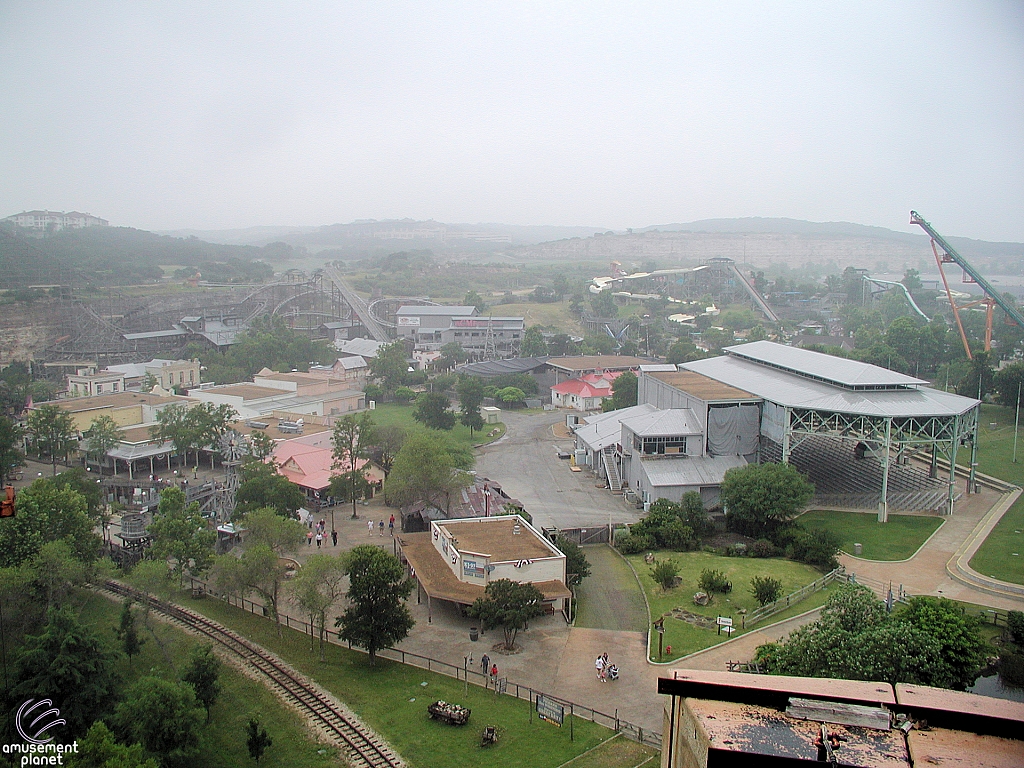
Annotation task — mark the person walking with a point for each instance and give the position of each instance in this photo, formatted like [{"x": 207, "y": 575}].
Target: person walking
[
  {"x": 494, "y": 675},
  {"x": 599, "y": 666},
  {"x": 391, "y": 526},
  {"x": 309, "y": 537},
  {"x": 604, "y": 668},
  {"x": 334, "y": 537},
  {"x": 382, "y": 528},
  {"x": 319, "y": 540},
  {"x": 369, "y": 527},
  {"x": 485, "y": 660}
]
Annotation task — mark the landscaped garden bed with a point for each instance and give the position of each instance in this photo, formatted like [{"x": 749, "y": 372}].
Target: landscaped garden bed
[{"x": 690, "y": 627}]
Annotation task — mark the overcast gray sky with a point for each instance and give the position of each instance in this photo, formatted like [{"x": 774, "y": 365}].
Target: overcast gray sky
[{"x": 230, "y": 114}]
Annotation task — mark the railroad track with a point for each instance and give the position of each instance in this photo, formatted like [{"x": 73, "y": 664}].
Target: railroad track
[{"x": 363, "y": 748}]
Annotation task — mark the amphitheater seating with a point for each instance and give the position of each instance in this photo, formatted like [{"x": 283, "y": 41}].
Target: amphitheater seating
[{"x": 840, "y": 480}]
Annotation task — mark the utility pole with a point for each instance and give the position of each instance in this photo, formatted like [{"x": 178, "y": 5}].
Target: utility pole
[{"x": 1016, "y": 423}]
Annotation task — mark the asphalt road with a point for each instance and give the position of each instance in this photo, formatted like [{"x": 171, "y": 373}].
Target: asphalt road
[{"x": 526, "y": 463}]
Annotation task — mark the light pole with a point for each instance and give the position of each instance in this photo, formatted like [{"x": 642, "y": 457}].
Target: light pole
[
  {"x": 1016, "y": 423},
  {"x": 466, "y": 660}
]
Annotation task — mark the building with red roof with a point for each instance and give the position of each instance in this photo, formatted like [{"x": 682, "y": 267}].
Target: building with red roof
[
  {"x": 308, "y": 461},
  {"x": 584, "y": 393}
]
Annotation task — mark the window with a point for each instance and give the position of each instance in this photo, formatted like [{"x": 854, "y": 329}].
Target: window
[{"x": 652, "y": 446}]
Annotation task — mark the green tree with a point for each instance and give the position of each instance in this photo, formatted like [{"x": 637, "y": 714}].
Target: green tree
[
  {"x": 404, "y": 395},
  {"x": 127, "y": 633},
  {"x": 202, "y": 672},
  {"x": 473, "y": 299},
  {"x": 70, "y": 665},
  {"x": 261, "y": 445},
  {"x": 53, "y": 432},
  {"x": 206, "y": 423},
  {"x": 452, "y": 354},
  {"x": 86, "y": 485},
  {"x": 1007, "y": 384},
  {"x": 424, "y": 470},
  {"x": 761, "y": 499},
  {"x": 103, "y": 435},
  {"x": 765, "y": 589},
  {"x": 283, "y": 535},
  {"x": 317, "y": 588},
  {"x": 624, "y": 390},
  {"x": 510, "y": 395},
  {"x": 510, "y": 605},
  {"x": 164, "y": 717},
  {"x": 560, "y": 285},
  {"x": 979, "y": 379},
  {"x": 471, "y": 397},
  {"x": 260, "y": 486},
  {"x": 603, "y": 305},
  {"x": 180, "y": 534},
  {"x": 533, "y": 344},
  {"x": 961, "y": 648},
  {"x": 257, "y": 739},
  {"x": 44, "y": 513},
  {"x": 683, "y": 351},
  {"x": 11, "y": 455},
  {"x": 173, "y": 426},
  {"x": 377, "y": 616},
  {"x": 387, "y": 442},
  {"x": 390, "y": 366},
  {"x": 99, "y": 749},
  {"x": 434, "y": 410},
  {"x": 577, "y": 567},
  {"x": 352, "y": 438},
  {"x": 258, "y": 570},
  {"x": 57, "y": 571},
  {"x": 664, "y": 572}
]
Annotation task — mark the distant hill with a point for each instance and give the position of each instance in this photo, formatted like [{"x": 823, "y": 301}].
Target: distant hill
[
  {"x": 370, "y": 235},
  {"x": 122, "y": 256}
]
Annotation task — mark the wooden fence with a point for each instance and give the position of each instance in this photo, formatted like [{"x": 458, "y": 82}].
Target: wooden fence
[{"x": 791, "y": 599}]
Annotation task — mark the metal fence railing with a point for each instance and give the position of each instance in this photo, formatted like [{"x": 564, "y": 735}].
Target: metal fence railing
[
  {"x": 470, "y": 676},
  {"x": 791, "y": 599}
]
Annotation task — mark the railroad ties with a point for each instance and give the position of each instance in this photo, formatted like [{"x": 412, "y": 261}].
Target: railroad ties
[{"x": 363, "y": 748}]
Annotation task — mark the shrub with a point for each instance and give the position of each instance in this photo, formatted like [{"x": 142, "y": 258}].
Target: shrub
[
  {"x": 665, "y": 572},
  {"x": 712, "y": 580},
  {"x": 633, "y": 543},
  {"x": 1015, "y": 624},
  {"x": 736, "y": 550},
  {"x": 1011, "y": 668},
  {"x": 818, "y": 548},
  {"x": 404, "y": 395},
  {"x": 766, "y": 589},
  {"x": 762, "y": 548},
  {"x": 675, "y": 535}
]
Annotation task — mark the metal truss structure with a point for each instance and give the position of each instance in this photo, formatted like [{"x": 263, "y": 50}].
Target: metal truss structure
[{"x": 893, "y": 438}]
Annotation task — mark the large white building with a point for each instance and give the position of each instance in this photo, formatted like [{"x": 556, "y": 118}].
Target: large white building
[{"x": 53, "y": 221}]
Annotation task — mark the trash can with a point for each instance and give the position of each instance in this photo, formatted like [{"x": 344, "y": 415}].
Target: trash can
[
  {"x": 474, "y": 634},
  {"x": 857, "y": 549}
]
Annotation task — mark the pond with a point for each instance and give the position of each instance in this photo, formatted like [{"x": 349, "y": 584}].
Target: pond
[{"x": 991, "y": 685}]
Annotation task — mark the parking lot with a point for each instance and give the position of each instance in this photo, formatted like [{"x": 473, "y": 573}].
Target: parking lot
[{"x": 526, "y": 464}]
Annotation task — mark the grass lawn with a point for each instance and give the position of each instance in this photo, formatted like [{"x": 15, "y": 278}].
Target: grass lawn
[
  {"x": 686, "y": 638},
  {"x": 897, "y": 539},
  {"x": 222, "y": 743},
  {"x": 392, "y": 698},
  {"x": 996, "y": 556},
  {"x": 395, "y": 414}
]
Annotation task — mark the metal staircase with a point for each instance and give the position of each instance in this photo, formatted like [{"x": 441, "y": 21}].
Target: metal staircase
[{"x": 611, "y": 469}]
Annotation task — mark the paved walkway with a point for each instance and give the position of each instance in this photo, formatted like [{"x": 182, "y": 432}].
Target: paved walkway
[{"x": 610, "y": 598}]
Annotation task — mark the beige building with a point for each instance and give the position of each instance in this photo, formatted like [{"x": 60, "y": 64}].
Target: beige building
[
  {"x": 456, "y": 559},
  {"x": 88, "y": 383},
  {"x": 127, "y": 409}
]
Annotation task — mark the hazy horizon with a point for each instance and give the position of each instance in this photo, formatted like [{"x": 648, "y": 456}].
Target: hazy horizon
[{"x": 229, "y": 115}]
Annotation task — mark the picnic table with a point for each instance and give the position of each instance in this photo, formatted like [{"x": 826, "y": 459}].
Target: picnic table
[{"x": 453, "y": 714}]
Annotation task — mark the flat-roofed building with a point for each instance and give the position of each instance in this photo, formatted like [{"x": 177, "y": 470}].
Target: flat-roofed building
[
  {"x": 456, "y": 559},
  {"x": 89, "y": 384},
  {"x": 167, "y": 374},
  {"x": 423, "y": 324},
  {"x": 125, "y": 408}
]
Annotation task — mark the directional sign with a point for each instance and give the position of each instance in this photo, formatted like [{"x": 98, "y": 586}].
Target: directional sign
[{"x": 724, "y": 621}]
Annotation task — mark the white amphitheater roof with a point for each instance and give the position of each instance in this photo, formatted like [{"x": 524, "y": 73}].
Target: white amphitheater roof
[
  {"x": 852, "y": 374},
  {"x": 791, "y": 389}
]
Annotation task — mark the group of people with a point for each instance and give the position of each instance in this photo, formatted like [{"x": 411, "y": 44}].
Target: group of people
[
  {"x": 391, "y": 526},
  {"x": 488, "y": 668},
  {"x": 321, "y": 533},
  {"x": 605, "y": 669}
]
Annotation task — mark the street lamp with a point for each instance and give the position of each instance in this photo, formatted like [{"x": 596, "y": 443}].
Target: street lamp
[{"x": 466, "y": 661}]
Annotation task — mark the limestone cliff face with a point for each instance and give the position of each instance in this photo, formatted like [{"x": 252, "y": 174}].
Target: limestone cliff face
[{"x": 27, "y": 329}]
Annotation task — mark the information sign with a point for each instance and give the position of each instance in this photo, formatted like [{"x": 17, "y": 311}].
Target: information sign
[{"x": 550, "y": 710}]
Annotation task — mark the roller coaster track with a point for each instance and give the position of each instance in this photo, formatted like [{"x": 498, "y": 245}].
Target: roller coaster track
[
  {"x": 359, "y": 307},
  {"x": 363, "y": 747}
]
